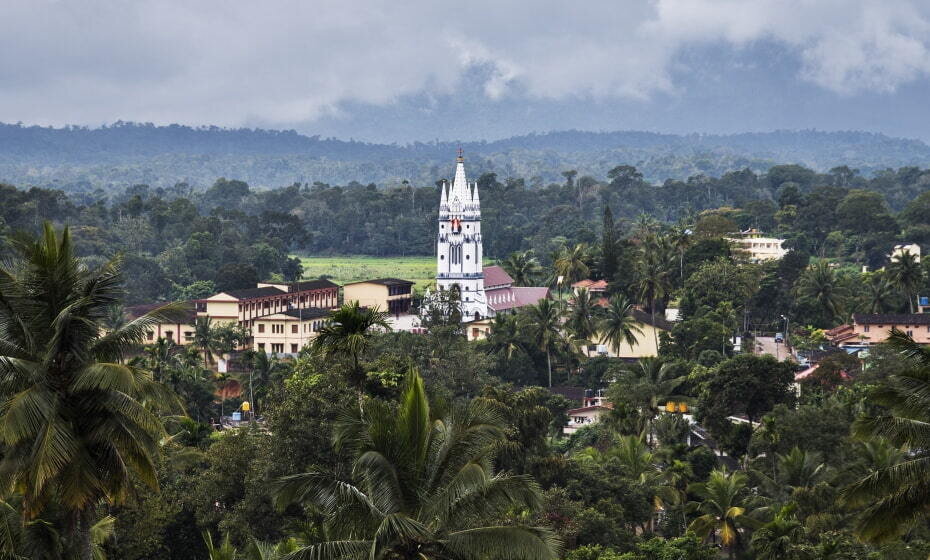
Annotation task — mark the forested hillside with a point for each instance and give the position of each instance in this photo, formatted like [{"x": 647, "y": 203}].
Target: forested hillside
[{"x": 114, "y": 157}]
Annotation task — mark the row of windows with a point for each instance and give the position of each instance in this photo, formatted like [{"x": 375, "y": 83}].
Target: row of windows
[
  {"x": 277, "y": 328},
  {"x": 865, "y": 328},
  {"x": 188, "y": 335},
  {"x": 278, "y": 348}
]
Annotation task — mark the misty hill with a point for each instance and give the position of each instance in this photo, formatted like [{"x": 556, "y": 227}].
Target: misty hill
[{"x": 79, "y": 158}]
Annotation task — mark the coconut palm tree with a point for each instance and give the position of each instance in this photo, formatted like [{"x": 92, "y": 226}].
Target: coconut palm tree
[
  {"x": 523, "y": 267},
  {"x": 572, "y": 263},
  {"x": 820, "y": 284},
  {"x": 506, "y": 338},
  {"x": 347, "y": 334},
  {"x": 618, "y": 326},
  {"x": 257, "y": 550},
  {"x": 543, "y": 322},
  {"x": 653, "y": 278},
  {"x": 158, "y": 356},
  {"x": 421, "y": 486},
  {"x": 264, "y": 368},
  {"x": 907, "y": 275},
  {"x": 779, "y": 538},
  {"x": 879, "y": 292},
  {"x": 647, "y": 386},
  {"x": 897, "y": 494},
  {"x": 204, "y": 338},
  {"x": 583, "y": 315},
  {"x": 224, "y": 551},
  {"x": 721, "y": 507},
  {"x": 77, "y": 424}
]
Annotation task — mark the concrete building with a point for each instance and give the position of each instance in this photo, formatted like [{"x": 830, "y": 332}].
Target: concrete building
[
  {"x": 243, "y": 306},
  {"x": 392, "y": 295},
  {"x": 871, "y": 329},
  {"x": 179, "y": 332},
  {"x": 756, "y": 247},
  {"x": 590, "y": 412},
  {"x": 645, "y": 343},
  {"x": 286, "y": 332},
  {"x": 503, "y": 297},
  {"x": 912, "y": 248}
]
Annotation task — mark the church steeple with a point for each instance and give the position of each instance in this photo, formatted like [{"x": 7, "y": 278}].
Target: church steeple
[{"x": 459, "y": 251}]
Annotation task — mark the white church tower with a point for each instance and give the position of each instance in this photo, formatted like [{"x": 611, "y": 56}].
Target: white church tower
[{"x": 459, "y": 255}]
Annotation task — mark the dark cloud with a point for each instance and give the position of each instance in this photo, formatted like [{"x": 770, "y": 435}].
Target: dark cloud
[{"x": 396, "y": 70}]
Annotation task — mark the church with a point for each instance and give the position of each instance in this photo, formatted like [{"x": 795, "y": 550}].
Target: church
[{"x": 484, "y": 291}]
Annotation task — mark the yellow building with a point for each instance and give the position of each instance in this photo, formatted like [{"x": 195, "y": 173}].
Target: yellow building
[
  {"x": 387, "y": 294},
  {"x": 288, "y": 331},
  {"x": 181, "y": 332},
  {"x": 243, "y": 306},
  {"x": 478, "y": 330},
  {"x": 869, "y": 329},
  {"x": 645, "y": 343}
]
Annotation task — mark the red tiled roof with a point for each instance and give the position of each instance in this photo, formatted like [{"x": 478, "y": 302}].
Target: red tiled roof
[
  {"x": 521, "y": 296},
  {"x": 591, "y": 284},
  {"x": 496, "y": 276}
]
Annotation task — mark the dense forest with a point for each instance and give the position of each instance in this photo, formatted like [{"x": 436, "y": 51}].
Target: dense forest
[
  {"x": 83, "y": 159},
  {"x": 180, "y": 240}
]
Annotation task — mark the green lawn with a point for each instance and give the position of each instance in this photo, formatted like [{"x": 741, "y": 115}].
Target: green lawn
[{"x": 421, "y": 270}]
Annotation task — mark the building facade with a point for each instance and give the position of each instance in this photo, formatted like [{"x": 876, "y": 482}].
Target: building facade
[
  {"x": 392, "y": 295},
  {"x": 756, "y": 247},
  {"x": 869, "y": 329},
  {"x": 459, "y": 252}
]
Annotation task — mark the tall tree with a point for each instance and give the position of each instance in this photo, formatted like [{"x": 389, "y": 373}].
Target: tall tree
[
  {"x": 583, "y": 315},
  {"x": 722, "y": 507},
  {"x": 609, "y": 258},
  {"x": 75, "y": 421},
  {"x": 820, "y": 285},
  {"x": 523, "y": 267},
  {"x": 907, "y": 275},
  {"x": 897, "y": 495},
  {"x": 204, "y": 338},
  {"x": 618, "y": 326},
  {"x": 646, "y": 386},
  {"x": 543, "y": 321},
  {"x": 347, "y": 334},
  {"x": 572, "y": 263},
  {"x": 422, "y": 486}
]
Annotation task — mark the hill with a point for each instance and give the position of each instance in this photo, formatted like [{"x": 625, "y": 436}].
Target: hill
[{"x": 80, "y": 158}]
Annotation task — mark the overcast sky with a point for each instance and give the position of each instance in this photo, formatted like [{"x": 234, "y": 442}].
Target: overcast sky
[{"x": 405, "y": 70}]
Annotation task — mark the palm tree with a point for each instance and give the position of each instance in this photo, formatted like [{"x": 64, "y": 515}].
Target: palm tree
[
  {"x": 779, "y": 539},
  {"x": 721, "y": 507},
  {"x": 204, "y": 338},
  {"x": 907, "y": 275},
  {"x": 618, "y": 326},
  {"x": 647, "y": 386},
  {"x": 264, "y": 369},
  {"x": 681, "y": 239},
  {"x": 571, "y": 263},
  {"x": 421, "y": 487},
  {"x": 76, "y": 423},
  {"x": 653, "y": 278},
  {"x": 583, "y": 315},
  {"x": 257, "y": 550},
  {"x": 897, "y": 494},
  {"x": 879, "y": 292},
  {"x": 225, "y": 550},
  {"x": 347, "y": 334},
  {"x": 543, "y": 323},
  {"x": 820, "y": 284},
  {"x": 505, "y": 338},
  {"x": 523, "y": 267},
  {"x": 158, "y": 356}
]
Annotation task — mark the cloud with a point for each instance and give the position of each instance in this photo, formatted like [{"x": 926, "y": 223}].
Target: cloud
[{"x": 281, "y": 62}]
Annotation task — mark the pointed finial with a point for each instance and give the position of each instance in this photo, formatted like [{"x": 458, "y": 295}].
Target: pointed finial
[{"x": 460, "y": 158}]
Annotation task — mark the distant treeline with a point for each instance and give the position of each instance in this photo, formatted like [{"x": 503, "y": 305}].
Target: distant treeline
[
  {"x": 176, "y": 236},
  {"x": 112, "y": 157}
]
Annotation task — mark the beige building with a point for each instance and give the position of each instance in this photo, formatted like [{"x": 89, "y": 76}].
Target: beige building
[
  {"x": 645, "y": 343},
  {"x": 591, "y": 411},
  {"x": 287, "y": 332},
  {"x": 179, "y": 332},
  {"x": 912, "y": 248},
  {"x": 392, "y": 295},
  {"x": 870, "y": 329},
  {"x": 756, "y": 247},
  {"x": 478, "y": 330},
  {"x": 243, "y": 306}
]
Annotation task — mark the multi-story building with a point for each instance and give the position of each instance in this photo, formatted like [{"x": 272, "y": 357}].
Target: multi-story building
[
  {"x": 180, "y": 332},
  {"x": 870, "y": 329},
  {"x": 594, "y": 405},
  {"x": 392, "y": 295},
  {"x": 245, "y": 305},
  {"x": 756, "y": 247},
  {"x": 286, "y": 332}
]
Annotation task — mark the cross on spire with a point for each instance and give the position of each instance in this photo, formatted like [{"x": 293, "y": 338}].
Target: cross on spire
[{"x": 460, "y": 158}]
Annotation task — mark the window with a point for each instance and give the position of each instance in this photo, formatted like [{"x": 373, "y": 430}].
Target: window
[
  {"x": 474, "y": 332},
  {"x": 169, "y": 335},
  {"x": 866, "y": 328},
  {"x": 293, "y": 348},
  {"x": 261, "y": 327},
  {"x": 188, "y": 335},
  {"x": 910, "y": 333},
  {"x": 294, "y": 329},
  {"x": 277, "y": 348},
  {"x": 151, "y": 336},
  {"x": 261, "y": 345}
]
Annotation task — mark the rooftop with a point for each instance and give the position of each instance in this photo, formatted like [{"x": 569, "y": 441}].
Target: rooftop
[
  {"x": 136, "y": 311},
  {"x": 496, "y": 276},
  {"x": 318, "y": 284},
  {"x": 891, "y": 318},
  {"x": 522, "y": 296},
  {"x": 249, "y": 293},
  {"x": 591, "y": 284},
  {"x": 385, "y": 282},
  {"x": 304, "y": 314}
]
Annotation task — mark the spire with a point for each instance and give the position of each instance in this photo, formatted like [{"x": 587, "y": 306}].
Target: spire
[
  {"x": 474, "y": 196},
  {"x": 460, "y": 184},
  {"x": 444, "y": 201}
]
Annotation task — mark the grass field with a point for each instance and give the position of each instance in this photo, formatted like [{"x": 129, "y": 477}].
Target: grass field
[{"x": 421, "y": 270}]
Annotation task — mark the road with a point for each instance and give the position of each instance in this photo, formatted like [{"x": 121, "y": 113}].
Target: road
[{"x": 767, "y": 345}]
